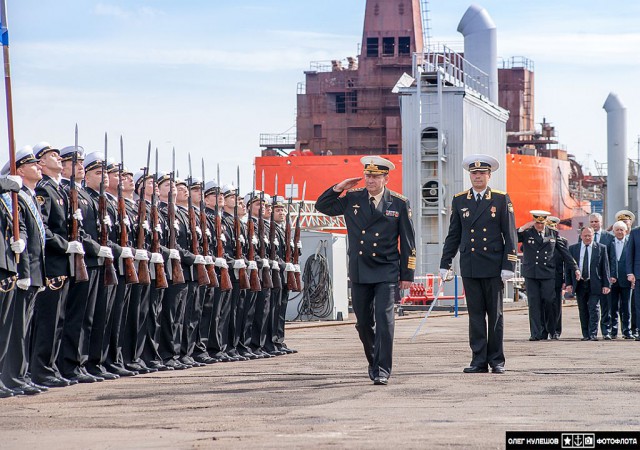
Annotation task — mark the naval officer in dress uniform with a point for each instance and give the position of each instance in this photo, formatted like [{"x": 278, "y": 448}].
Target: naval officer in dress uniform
[
  {"x": 377, "y": 219},
  {"x": 540, "y": 244},
  {"x": 483, "y": 228}
]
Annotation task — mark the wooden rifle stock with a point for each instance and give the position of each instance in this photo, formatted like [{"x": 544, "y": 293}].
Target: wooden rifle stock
[
  {"x": 276, "y": 281},
  {"x": 296, "y": 252},
  {"x": 79, "y": 266},
  {"x": 267, "y": 282},
  {"x": 243, "y": 277},
  {"x": 225, "y": 278},
  {"x": 130, "y": 275},
  {"x": 161, "y": 276},
  {"x": 254, "y": 278},
  {"x": 110, "y": 275},
  {"x": 204, "y": 224},
  {"x": 144, "y": 276},
  {"x": 291, "y": 276},
  {"x": 203, "y": 277}
]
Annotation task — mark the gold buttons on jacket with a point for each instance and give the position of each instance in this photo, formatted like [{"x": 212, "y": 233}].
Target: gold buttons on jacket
[
  {"x": 485, "y": 249},
  {"x": 377, "y": 234},
  {"x": 375, "y": 244},
  {"x": 473, "y": 249},
  {"x": 373, "y": 254},
  {"x": 363, "y": 231},
  {"x": 472, "y": 240},
  {"x": 360, "y": 252},
  {"x": 362, "y": 242},
  {"x": 472, "y": 230}
]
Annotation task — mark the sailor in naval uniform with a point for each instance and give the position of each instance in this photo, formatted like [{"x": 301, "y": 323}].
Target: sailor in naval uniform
[
  {"x": 377, "y": 218},
  {"x": 483, "y": 228}
]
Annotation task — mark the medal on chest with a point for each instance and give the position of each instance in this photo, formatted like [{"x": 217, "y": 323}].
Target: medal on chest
[
  {"x": 493, "y": 211},
  {"x": 355, "y": 209}
]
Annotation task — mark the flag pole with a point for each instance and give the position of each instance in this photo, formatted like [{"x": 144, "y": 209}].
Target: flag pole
[{"x": 7, "y": 86}]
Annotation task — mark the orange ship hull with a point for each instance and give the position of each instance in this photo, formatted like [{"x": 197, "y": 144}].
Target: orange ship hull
[{"x": 532, "y": 182}]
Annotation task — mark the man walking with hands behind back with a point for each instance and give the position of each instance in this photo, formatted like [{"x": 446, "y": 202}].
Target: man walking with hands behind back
[
  {"x": 483, "y": 228},
  {"x": 377, "y": 218}
]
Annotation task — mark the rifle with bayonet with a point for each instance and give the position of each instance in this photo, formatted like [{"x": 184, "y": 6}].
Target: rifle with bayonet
[
  {"x": 243, "y": 277},
  {"x": 225, "y": 278},
  {"x": 177, "y": 276},
  {"x": 296, "y": 242},
  {"x": 291, "y": 276},
  {"x": 203, "y": 277},
  {"x": 204, "y": 224},
  {"x": 130, "y": 275},
  {"x": 267, "y": 282},
  {"x": 110, "y": 275},
  {"x": 254, "y": 278},
  {"x": 158, "y": 267},
  {"x": 144, "y": 276},
  {"x": 79, "y": 266},
  {"x": 275, "y": 273}
]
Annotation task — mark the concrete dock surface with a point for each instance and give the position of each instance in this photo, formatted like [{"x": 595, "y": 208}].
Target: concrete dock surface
[{"x": 322, "y": 397}]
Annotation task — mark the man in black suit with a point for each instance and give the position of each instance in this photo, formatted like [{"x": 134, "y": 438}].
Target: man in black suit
[
  {"x": 539, "y": 247},
  {"x": 483, "y": 228},
  {"x": 377, "y": 218},
  {"x": 620, "y": 297},
  {"x": 555, "y": 330},
  {"x": 601, "y": 236},
  {"x": 594, "y": 281},
  {"x": 30, "y": 276}
]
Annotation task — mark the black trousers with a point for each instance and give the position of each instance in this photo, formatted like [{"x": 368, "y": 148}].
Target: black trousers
[
  {"x": 191, "y": 318},
  {"x": 588, "y": 308},
  {"x": 249, "y": 312},
  {"x": 206, "y": 320},
  {"x": 236, "y": 314},
  {"x": 116, "y": 325},
  {"x": 76, "y": 334},
  {"x": 7, "y": 307},
  {"x": 14, "y": 368},
  {"x": 227, "y": 319},
  {"x": 557, "y": 306},
  {"x": 542, "y": 312},
  {"x": 281, "y": 316},
  {"x": 373, "y": 306},
  {"x": 99, "y": 338},
  {"x": 272, "y": 320},
  {"x": 486, "y": 320},
  {"x": 151, "y": 327},
  {"x": 46, "y": 332},
  {"x": 214, "y": 343},
  {"x": 173, "y": 302},
  {"x": 605, "y": 314},
  {"x": 620, "y": 303},
  {"x": 259, "y": 329},
  {"x": 130, "y": 331}
]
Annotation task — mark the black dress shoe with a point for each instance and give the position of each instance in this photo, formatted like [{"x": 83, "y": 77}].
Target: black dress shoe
[
  {"x": 5, "y": 393},
  {"x": 83, "y": 378},
  {"x": 121, "y": 371},
  {"x": 53, "y": 382},
  {"x": 498, "y": 369},
  {"x": 25, "y": 389},
  {"x": 249, "y": 355},
  {"x": 381, "y": 381},
  {"x": 555, "y": 337},
  {"x": 372, "y": 376},
  {"x": 71, "y": 382},
  {"x": 205, "y": 359},
  {"x": 175, "y": 364},
  {"x": 38, "y": 386},
  {"x": 475, "y": 369},
  {"x": 637, "y": 338},
  {"x": 593, "y": 338},
  {"x": 626, "y": 336},
  {"x": 584, "y": 339},
  {"x": 607, "y": 337},
  {"x": 534, "y": 338}
]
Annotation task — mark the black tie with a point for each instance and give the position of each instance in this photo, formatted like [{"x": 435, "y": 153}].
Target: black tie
[
  {"x": 372, "y": 204},
  {"x": 596, "y": 238},
  {"x": 478, "y": 198},
  {"x": 585, "y": 264}
]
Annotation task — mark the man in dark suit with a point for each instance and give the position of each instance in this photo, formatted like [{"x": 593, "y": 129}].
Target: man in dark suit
[
  {"x": 555, "y": 330},
  {"x": 593, "y": 283},
  {"x": 633, "y": 270},
  {"x": 539, "y": 247},
  {"x": 483, "y": 228},
  {"x": 377, "y": 218},
  {"x": 620, "y": 297},
  {"x": 601, "y": 236}
]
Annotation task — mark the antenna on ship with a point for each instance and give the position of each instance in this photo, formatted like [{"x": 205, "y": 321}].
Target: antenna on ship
[{"x": 426, "y": 23}]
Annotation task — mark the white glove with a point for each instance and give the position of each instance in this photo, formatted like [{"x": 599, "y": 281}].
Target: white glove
[
  {"x": 78, "y": 215},
  {"x": 265, "y": 262},
  {"x": 444, "y": 274},
  {"x": 145, "y": 226},
  {"x": 174, "y": 254},
  {"x": 239, "y": 264},
  {"x": 296, "y": 268},
  {"x": 276, "y": 243},
  {"x": 156, "y": 258},
  {"x": 207, "y": 231},
  {"x": 24, "y": 283},
  {"x": 506, "y": 275},
  {"x": 105, "y": 252},
  {"x": 16, "y": 179},
  {"x": 141, "y": 255},
  {"x": 208, "y": 260},
  {"x": 241, "y": 239},
  {"x": 288, "y": 267},
  {"x": 275, "y": 265},
  {"x": 199, "y": 231},
  {"x": 158, "y": 228},
  {"x": 266, "y": 240},
  {"x": 222, "y": 263},
  {"x": 126, "y": 253},
  {"x": 18, "y": 246},
  {"x": 223, "y": 238},
  {"x": 254, "y": 240},
  {"x": 75, "y": 247},
  {"x": 253, "y": 265},
  {"x": 199, "y": 260},
  {"x": 107, "y": 220},
  {"x": 299, "y": 245},
  {"x": 126, "y": 221}
]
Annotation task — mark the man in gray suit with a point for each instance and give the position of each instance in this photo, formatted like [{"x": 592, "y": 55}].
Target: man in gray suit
[{"x": 620, "y": 297}]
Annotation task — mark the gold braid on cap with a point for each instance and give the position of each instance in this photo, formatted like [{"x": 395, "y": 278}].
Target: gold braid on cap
[{"x": 373, "y": 169}]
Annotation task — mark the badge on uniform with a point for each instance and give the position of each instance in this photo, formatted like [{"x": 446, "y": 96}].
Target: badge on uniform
[
  {"x": 510, "y": 207},
  {"x": 355, "y": 209},
  {"x": 40, "y": 200},
  {"x": 465, "y": 212},
  {"x": 390, "y": 213},
  {"x": 493, "y": 211}
]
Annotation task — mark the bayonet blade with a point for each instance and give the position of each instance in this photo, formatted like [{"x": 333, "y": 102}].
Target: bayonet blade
[
  {"x": 291, "y": 190},
  {"x": 304, "y": 191},
  {"x": 263, "y": 180},
  {"x": 275, "y": 188},
  {"x": 121, "y": 154},
  {"x": 203, "y": 179}
]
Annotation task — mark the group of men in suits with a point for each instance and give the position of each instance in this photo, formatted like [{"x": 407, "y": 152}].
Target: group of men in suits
[{"x": 60, "y": 327}]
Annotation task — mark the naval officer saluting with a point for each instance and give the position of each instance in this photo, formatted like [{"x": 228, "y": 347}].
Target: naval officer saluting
[
  {"x": 378, "y": 221},
  {"x": 483, "y": 228}
]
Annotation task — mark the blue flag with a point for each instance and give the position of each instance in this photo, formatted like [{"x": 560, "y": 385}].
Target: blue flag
[{"x": 4, "y": 39}]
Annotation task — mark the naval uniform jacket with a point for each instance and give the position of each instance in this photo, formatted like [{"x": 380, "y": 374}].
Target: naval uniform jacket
[
  {"x": 54, "y": 206},
  {"x": 31, "y": 263},
  {"x": 539, "y": 254},
  {"x": 373, "y": 236},
  {"x": 7, "y": 256},
  {"x": 485, "y": 234}
]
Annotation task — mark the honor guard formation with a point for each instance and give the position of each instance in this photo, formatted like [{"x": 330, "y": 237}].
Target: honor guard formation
[{"x": 107, "y": 273}]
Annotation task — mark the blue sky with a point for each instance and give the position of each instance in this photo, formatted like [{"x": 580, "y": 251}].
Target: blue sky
[{"x": 208, "y": 76}]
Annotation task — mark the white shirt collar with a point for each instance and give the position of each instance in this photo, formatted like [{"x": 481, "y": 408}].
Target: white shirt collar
[{"x": 475, "y": 193}]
